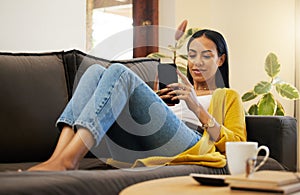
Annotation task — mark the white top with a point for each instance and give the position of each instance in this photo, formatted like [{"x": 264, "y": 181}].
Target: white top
[{"x": 184, "y": 113}]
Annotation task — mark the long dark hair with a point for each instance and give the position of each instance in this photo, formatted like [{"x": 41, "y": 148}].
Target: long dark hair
[{"x": 222, "y": 75}]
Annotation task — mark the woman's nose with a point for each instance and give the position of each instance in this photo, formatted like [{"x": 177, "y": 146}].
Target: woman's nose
[{"x": 198, "y": 62}]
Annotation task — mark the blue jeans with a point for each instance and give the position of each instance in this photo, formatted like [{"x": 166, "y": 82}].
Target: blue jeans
[{"x": 115, "y": 101}]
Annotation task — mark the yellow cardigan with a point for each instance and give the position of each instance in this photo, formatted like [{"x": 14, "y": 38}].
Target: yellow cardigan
[{"x": 226, "y": 107}]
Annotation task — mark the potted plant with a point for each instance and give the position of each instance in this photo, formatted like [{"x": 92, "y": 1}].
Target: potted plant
[
  {"x": 267, "y": 104},
  {"x": 181, "y": 36}
]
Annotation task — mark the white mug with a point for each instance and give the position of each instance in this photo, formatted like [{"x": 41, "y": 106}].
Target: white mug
[{"x": 238, "y": 153}]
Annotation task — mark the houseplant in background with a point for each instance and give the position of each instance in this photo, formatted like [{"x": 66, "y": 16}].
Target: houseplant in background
[
  {"x": 181, "y": 36},
  {"x": 267, "y": 104}
]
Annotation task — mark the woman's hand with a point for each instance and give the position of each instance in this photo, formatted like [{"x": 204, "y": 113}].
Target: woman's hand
[
  {"x": 166, "y": 96},
  {"x": 162, "y": 93},
  {"x": 185, "y": 91}
]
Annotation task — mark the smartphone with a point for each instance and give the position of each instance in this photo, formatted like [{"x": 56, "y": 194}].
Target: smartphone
[
  {"x": 211, "y": 180},
  {"x": 166, "y": 75}
]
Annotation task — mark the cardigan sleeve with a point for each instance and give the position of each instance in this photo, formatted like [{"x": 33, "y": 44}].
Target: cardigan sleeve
[{"x": 233, "y": 126}]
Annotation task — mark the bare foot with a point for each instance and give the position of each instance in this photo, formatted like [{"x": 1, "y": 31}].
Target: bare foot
[
  {"x": 44, "y": 166},
  {"x": 53, "y": 165}
]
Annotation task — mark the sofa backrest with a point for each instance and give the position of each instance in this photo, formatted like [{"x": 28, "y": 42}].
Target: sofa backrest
[
  {"x": 33, "y": 93},
  {"x": 279, "y": 133},
  {"x": 34, "y": 89},
  {"x": 145, "y": 68}
]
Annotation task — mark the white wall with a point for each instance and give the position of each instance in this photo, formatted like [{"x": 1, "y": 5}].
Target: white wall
[
  {"x": 252, "y": 28},
  {"x": 298, "y": 70},
  {"x": 42, "y": 25}
]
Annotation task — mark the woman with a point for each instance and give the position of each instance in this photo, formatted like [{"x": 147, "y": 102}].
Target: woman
[{"x": 163, "y": 134}]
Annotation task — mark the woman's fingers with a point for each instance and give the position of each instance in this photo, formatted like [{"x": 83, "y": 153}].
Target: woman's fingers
[
  {"x": 179, "y": 86},
  {"x": 163, "y": 91},
  {"x": 180, "y": 91}
]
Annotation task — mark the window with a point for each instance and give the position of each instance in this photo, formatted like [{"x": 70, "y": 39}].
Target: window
[{"x": 122, "y": 29}]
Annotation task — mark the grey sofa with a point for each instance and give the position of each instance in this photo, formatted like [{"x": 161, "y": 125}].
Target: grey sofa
[{"x": 34, "y": 89}]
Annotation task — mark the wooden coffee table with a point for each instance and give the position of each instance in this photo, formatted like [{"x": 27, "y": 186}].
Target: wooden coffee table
[{"x": 180, "y": 185}]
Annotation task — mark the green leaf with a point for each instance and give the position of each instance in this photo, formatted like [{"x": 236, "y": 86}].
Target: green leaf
[
  {"x": 267, "y": 105},
  {"x": 183, "y": 56},
  {"x": 190, "y": 32},
  {"x": 182, "y": 69},
  {"x": 185, "y": 37},
  {"x": 250, "y": 95},
  {"x": 253, "y": 110},
  {"x": 179, "y": 45},
  {"x": 172, "y": 48},
  {"x": 288, "y": 91},
  {"x": 262, "y": 87},
  {"x": 280, "y": 110},
  {"x": 181, "y": 66},
  {"x": 158, "y": 55},
  {"x": 272, "y": 67}
]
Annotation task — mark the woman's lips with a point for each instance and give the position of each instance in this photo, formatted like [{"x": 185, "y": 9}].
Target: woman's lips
[{"x": 197, "y": 71}]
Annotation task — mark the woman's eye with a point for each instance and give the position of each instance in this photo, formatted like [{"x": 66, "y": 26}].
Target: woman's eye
[
  {"x": 206, "y": 56},
  {"x": 192, "y": 55}
]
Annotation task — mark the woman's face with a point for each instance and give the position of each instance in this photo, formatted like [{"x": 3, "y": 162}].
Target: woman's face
[{"x": 203, "y": 59}]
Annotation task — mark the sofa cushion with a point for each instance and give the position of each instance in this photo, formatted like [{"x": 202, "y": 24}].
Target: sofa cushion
[
  {"x": 96, "y": 180},
  {"x": 100, "y": 182},
  {"x": 33, "y": 93}
]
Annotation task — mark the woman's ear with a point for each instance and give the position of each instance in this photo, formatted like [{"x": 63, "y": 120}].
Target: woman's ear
[{"x": 221, "y": 60}]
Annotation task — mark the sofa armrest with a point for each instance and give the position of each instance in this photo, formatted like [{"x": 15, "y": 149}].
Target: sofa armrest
[{"x": 279, "y": 133}]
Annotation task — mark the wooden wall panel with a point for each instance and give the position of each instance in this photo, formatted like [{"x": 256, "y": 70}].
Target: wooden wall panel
[{"x": 145, "y": 22}]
